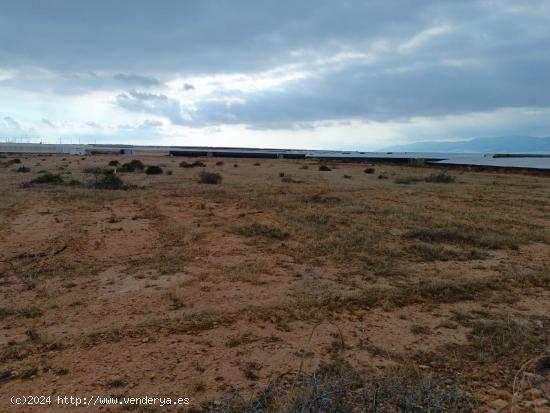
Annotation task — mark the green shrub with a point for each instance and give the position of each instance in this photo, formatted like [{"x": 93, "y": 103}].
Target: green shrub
[
  {"x": 407, "y": 180},
  {"x": 206, "y": 177},
  {"x": 48, "y": 178},
  {"x": 132, "y": 166},
  {"x": 153, "y": 170},
  {"x": 126, "y": 167},
  {"x": 428, "y": 252},
  {"x": 196, "y": 164},
  {"x": 137, "y": 164},
  {"x": 23, "y": 169},
  {"x": 325, "y": 199},
  {"x": 114, "y": 162},
  {"x": 109, "y": 182},
  {"x": 324, "y": 168},
  {"x": 442, "y": 178},
  {"x": 369, "y": 170},
  {"x": 98, "y": 170}
]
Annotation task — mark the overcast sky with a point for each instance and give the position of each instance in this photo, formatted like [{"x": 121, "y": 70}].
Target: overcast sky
[{"x": 318, "y": 74}]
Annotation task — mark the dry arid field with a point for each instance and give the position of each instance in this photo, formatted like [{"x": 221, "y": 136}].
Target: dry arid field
[{"x": 281, "y": 288}]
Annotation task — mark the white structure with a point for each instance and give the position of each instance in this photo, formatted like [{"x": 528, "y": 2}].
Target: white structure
[{"x": 43, "y": 148}]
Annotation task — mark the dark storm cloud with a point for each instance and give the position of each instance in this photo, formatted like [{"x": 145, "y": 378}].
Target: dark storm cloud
[
  {"x": 416, "y": 57},
  {"x": 190, "y": 36},
  {"x": 368, "y": 92}
]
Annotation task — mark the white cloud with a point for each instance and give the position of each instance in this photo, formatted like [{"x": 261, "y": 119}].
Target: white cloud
[{"x": 424, "y": 37}]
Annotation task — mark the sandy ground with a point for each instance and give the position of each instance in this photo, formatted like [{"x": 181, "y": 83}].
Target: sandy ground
[{"x": 178, "y": 288}]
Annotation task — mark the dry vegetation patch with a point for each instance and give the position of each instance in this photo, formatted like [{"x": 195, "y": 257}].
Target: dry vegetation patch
[{"x": 258, "y": 295}]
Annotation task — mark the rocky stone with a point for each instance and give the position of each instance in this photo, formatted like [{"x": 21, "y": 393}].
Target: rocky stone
[
  {"x": 537, "y": 403},
  {"x": 499, "y": 405},
  {"x": 502, "y": 394}
]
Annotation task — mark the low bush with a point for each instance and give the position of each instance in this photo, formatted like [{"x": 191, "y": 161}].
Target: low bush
[
  {"x": 153, "y": 170},
  {"x": 114, "y": 162},
  {"x": 98, "y": 170},
  {"x": 325, "y": 199},
  {"x": 206, "y": 177},
  {"x": 196, "y": 164},
  {"x": 109, "y": 182},
  {"x": 442, "y": 178},
  {"x": 338, "y": 387},
  {"x": 137, "y": 164},
  {"x": 126, "y": 167},
  {"x": 428, "y": 252},
  {"x": 132, "y": 166},
  {"x": 48, "y": 178},
  {"x": 406, "y": 180},
  {"x": 369, "y": 170},
  {"x": 23, "y": 169},
  {"x": 324, "y": 168}
]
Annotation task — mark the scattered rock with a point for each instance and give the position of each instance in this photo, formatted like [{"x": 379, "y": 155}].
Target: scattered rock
[
  {"x": 499, "y": 405},
  {"x": 543, "y": 365}
]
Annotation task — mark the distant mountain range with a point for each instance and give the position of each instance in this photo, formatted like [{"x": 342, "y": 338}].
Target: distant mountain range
[{"x": 503, "y": 144}]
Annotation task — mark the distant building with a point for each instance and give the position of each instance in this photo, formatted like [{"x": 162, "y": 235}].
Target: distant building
[{"x": 46, "y": 148}]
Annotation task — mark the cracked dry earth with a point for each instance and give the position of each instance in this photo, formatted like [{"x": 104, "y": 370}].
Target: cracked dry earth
[{"x": 177, "y": 288}]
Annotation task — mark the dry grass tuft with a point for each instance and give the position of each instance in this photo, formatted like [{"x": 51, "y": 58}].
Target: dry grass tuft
[
  {"x": 478, "y": 237},
  {"x": 206, "y": 177},
  {"x": 262, "y": 230},
  {"x": 337, "y": 387}
]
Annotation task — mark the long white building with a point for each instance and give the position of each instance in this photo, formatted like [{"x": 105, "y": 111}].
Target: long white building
[{"x": 46, "y": 148}]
